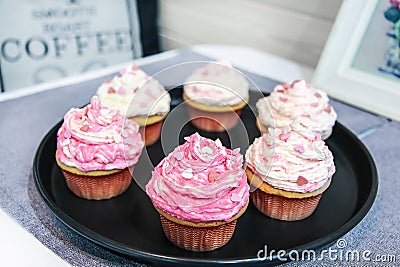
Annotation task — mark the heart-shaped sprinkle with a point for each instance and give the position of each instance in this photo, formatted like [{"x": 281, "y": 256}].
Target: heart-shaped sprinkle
[
  {"x": 121, "y": 90},
  {"x": 65, "y": 142},
  {"x": 301, "y": 181},
  {"x": 285, "y": 85},
  {"x": 236, "y": 198},
  {"x": 96, "y": 128},
  {"x": 317, "y": 135},
  {"x": 236, "y": 151},
  {"x": 212, "y": 176},
  {"x": 314, "y": 105},
  {"x": 188, "y": 173},
  {"x": 206, "y": 150},
  {"x": 178, "y": 155},
  {"x": 294, "y": 82},
  {"x": 284, "y": 136},
  {"x": 111, "y": 90},
  {"x": 299, "y": 148},
  {"x": 328, "y": 109},
  {"x": 318, "y": 95},
  {"x": 135, "y": 67},
  {"x": 283, "y": 99},
  {"x": 85, "y": 128},
  {"x": 67, "y": 134},
  {"x": 169, "y": 168}
]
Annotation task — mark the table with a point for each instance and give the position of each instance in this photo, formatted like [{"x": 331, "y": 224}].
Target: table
[{"x": 31, "y": 235}]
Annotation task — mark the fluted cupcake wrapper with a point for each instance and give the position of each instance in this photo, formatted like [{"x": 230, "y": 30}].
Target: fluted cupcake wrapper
[
  {"x": 213, "y": 121},
  {"x": 283, "y": 208},
  {"x": 197, "y": 238},
  {"x": 98, "y": 187}
]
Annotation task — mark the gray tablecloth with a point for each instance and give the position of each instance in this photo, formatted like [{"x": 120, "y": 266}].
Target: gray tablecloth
[{"x": 25, "y": 121}]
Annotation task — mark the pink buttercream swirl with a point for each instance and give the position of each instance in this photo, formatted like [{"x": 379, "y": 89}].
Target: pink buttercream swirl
[
  {"x": 199, "y": 181},
  {"x": 291, "y": 158},
  {"x": 97, "y": 138},
  {"x": 298, "y": 99}
]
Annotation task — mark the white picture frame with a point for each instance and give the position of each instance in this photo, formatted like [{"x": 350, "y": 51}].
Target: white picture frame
[{"x": 336, "y": 73}]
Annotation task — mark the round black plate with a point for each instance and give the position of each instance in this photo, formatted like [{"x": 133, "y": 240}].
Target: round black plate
[{"x": 129, "y": 225}]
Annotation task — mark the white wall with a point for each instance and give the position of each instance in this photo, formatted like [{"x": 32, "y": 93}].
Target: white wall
[{"x": 293, "y": 29}]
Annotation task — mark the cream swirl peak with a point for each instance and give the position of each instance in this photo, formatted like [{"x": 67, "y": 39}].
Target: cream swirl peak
[
  {"x": 134, "y": 93},
  {"x": 291, "y": 158},
  {"x": 286, "y": 102},
  {"x": 199, "y": 181},
  {"x": 97, "y": 138},
  {"x": 217, "y": 84}
]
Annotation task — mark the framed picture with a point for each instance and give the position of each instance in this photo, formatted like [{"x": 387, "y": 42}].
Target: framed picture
[{"x": 360, "y": 64}]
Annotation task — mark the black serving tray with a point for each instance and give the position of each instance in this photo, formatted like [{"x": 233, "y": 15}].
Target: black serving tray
[{"x": 129, "y": 225}]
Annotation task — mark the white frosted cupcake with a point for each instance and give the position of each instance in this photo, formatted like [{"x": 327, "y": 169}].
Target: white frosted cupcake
[
  {"x": 138, "y": 96},
  {"x": 215, "y": 94},
  {"x": 299, "y": 99}
]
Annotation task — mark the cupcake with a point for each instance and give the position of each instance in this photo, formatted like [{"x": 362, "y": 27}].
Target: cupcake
[
  {"x": 199, "y": 190},
  {"x": 290, "y": 167},
  {"x": 215, "y": 95},
  {"x": 140, "y": 98},
  {"x": 299, "y": 99},
  {"x": 96, "y": 149}
]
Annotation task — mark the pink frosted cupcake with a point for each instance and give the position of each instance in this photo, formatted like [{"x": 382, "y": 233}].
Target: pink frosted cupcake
[
  {"x": 199, "y": 190},
  {"x": 96, "y": 147},
  {"x": 215, "y": 95},
  {"x": 140, "y": 97},
  {"x": 290, "y": 167},
  {"x": 299, "y": 99}
]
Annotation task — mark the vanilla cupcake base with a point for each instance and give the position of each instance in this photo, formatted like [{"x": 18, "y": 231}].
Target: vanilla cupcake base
[
  {"x": 198, "y": 236},
  {"x": 213, "y": 118},
  {"x": 150, "y": 127},
  {"x": 280, "y": 204}
]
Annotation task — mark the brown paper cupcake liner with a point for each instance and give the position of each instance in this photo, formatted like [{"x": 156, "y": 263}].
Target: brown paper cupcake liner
[
  {"x": 98, "y": 187},
  {"x": 213, "y": 121},
  {"x": 197, "y": 238},
  {"x": 150, "y": 133},
  {"x": 283, "y": 208}
]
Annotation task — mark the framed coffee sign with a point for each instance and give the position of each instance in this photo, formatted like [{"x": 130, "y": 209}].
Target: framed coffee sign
[{"x": 45, "y": 40}]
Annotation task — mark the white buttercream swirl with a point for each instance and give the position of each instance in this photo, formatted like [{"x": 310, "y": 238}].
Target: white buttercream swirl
[
  {"x": 291, "y": 158},
  {"x": 134, "y": 93},
  {"x": 217, "y": 84}
]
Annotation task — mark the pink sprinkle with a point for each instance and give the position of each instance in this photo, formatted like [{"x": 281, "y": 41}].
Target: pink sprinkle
[
  {"x": 285, "y": 85},
  {"x": 281, "y": 91},
  {"x": 318, "y": 95},
  {"x": 121, "y": 90},
  {"x": 299, "y": 148},
  {"x": 169, "y": 168},
  {"x": 85, "y": 128},
  {"x": 123, "y": 71},
  {"x": 283, "y": 99},
  {"x": 294, "y": 82},
  {"x": 328, "y": 109},
  {"x": 308, "y": 86},
  {"x": 111, "y": 90},
  {"x": 96, "y": 128},
  {"x": 314, "y": 105},
  {"x": 284, "y": 136},
  {"x": 212, "y": 176},
  {"x": 67, "y": 134},
  {"x": 178, "y": 155},
  {"x": 317, "y": 135},
  {"x": 236, "y": 151},
  {"x": 195, "y": 89},
  {"x": 236, "y": 198},
  {"x": 135, "y": 67},
  {"x": 301, "y": 181}
]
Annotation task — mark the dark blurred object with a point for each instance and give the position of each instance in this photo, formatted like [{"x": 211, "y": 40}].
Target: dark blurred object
[{"x": 148, "y": 17}]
